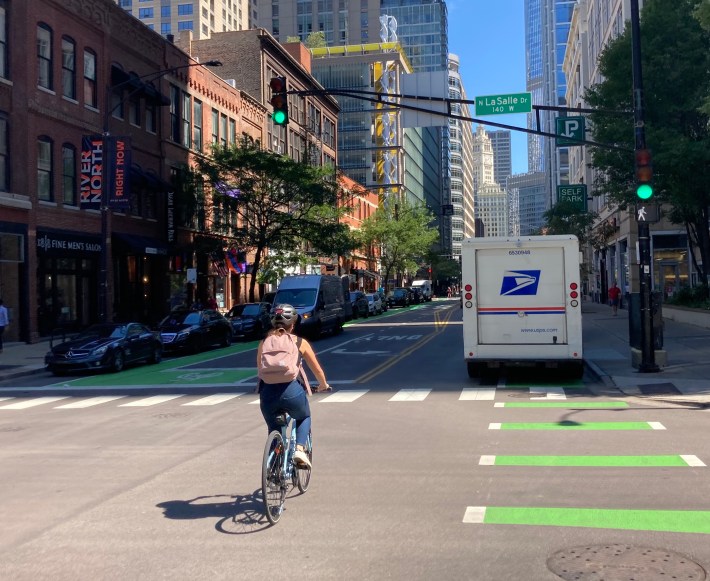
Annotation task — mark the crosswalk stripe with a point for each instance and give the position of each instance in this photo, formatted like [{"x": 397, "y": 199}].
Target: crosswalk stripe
[
  {"x": 214, "y": 399},
  {"x": 591, "y": 461},
  {"x": 478, "y": 393},
  {"x": 487, "y": 461},
  {"x": 656, "y": 426},
  {"x": 87, "y": 403},
  {"x": 6, "y": 398},
  {"x": 547, "y": 393},
  {"x": 344, "y": 396},
  {"x": 410, "y": 395},
  {"x": 21, "y": 405},
  {"x": 475, "y": 514},
  {"x": 576, "y": 426},
  {"x": 692, "y": 460},
  {"x": 153, "y": 400}
]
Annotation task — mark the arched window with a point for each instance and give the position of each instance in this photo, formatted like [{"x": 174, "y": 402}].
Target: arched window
[
  {"x": 44, "y": 168},
  {"x": 69, "y": 174},
  {"x": 44, "y": 56},
  {"x": 68, "y": 68},
  {"x": 90, "y": 92}
]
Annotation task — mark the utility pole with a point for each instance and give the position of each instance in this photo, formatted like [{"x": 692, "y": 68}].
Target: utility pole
[{"x": 648, "y": 359}]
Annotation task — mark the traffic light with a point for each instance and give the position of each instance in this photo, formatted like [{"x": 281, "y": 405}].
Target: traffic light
[
  {"x": 644, "y": 174},
  {"x": 279, "y": 100}
]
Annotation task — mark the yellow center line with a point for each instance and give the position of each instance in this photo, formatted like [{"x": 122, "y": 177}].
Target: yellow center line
[{"x": 439, "y": 327}]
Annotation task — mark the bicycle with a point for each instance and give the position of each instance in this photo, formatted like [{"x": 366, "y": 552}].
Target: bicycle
[{"x": 278, "y": 472}]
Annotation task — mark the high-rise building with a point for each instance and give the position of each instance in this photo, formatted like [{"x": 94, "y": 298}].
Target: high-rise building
[
  {"x": 502, "y": 161},
  {"x": 203, "y": 17},
  {"x": 490, "y": 200},
  {"x": 547, "y": 24},
  {"x": 527, "y": 199}
]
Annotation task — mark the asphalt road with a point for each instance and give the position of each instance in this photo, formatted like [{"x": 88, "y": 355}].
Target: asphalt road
[{"x": 419, "y": 471}]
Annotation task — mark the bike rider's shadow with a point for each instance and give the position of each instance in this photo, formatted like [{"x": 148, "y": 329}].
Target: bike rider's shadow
[{"x": 237, "y": 514}]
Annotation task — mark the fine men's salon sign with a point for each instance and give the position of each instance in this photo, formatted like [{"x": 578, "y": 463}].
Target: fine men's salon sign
[{"x": 67, "y": 244}]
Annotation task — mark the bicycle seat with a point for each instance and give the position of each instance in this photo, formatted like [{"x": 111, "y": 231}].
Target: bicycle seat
[{"x": 282, "y": 418}]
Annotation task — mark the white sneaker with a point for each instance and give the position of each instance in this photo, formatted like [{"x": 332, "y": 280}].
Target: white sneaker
[{"x": 300, "y": 459}]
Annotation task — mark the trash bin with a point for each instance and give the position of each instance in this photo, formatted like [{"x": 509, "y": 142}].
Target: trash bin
[{"x": 634, "y": 306}]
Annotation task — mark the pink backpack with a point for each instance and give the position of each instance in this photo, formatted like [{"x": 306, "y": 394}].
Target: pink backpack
[{"x": 280, "y": 358}]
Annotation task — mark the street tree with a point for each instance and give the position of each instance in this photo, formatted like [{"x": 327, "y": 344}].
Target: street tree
[
  {"x": 264, "y": 202},
  {"x": 568, "y": 218},
  {"x": 676, "y": 77},
  {"x": 402, "y": 231}
]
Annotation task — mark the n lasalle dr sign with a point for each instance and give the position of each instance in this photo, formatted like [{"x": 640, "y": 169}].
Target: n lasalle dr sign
[{"x": 105, "y": 158}]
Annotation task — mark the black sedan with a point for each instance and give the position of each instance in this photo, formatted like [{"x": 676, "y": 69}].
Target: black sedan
[
  {"x": 399, "y": 297},
  {"x": 106, "y": 346},
  {"x": 194, "y": 331},
  {"x": 358, "y": 300},
  {"x": 250, "y": 320}
]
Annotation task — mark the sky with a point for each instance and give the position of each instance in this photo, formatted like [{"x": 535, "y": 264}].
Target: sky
[{"x": 489, "y": 38}]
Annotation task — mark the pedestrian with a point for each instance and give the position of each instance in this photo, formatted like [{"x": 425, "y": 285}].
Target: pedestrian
[
  {"x": 278, "y": 362},
  {"x": 614, "y": 294},
  {"x": 212, "y": 303},
  {"x": 4, "y": 321}
]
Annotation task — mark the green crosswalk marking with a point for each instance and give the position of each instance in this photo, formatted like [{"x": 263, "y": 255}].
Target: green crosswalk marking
[
  {"x": 569, "y": 425},
  {"x": 677, "y": 521},
  {"x": 567, "y": 404},
  {"x": 635, "y": 461}
]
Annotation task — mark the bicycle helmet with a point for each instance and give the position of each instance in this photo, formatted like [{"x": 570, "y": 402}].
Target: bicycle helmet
[{"x": 283, "y": 316}]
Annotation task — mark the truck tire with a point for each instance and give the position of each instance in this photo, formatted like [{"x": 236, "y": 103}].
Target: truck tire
[{"x": 474, "y": 369}]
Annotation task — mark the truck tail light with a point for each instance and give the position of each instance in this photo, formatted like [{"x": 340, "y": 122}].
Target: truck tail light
[{"x": 573, "y": 294}]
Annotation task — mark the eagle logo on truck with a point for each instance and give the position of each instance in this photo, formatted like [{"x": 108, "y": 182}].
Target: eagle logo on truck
[{"x": 520, "y": 282}]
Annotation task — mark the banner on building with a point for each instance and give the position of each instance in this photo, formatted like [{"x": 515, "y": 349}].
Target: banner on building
[
  {"x": 117, "y": 161},
  {"x": 171, "y": 229},
  {"x": 92, "y": 171}
]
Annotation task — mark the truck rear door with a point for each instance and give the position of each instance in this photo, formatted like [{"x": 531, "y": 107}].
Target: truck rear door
[{"x": 521, "y": 296}]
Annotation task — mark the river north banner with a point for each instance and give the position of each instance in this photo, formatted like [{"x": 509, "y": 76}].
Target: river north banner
[
  {"x": 105, "y": 158},
  {"x": 91, "y": 172}
]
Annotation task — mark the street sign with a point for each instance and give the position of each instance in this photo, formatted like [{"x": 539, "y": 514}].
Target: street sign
[
  {"x": 574, "y": 194},
  {"x": 569, "y": 129},
  {"x": 501, "y": 104}
]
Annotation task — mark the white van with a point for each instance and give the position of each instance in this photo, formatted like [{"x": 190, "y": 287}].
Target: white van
[
  {"x": 521, "y": 302},
  {"x": 425, "y": 287}
]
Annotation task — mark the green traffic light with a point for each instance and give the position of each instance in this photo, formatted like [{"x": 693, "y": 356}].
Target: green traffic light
[
  {"x": 279, "y": 117},
  {"x": 644, "y": 191}
]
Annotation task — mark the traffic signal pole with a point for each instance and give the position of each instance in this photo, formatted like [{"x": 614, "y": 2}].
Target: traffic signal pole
[{"x": 648, "y": 359}]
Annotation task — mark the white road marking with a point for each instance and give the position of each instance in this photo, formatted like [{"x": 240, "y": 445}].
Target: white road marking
[
  {"x": 410, "y": 395},
  {"x": 692, "y": 460},
  {"x": 30, "y": 403},
  {"x": 494, "y": 426},
  {"x": 6, "y": 398},
  {"x": 478, "y": 393},
  {"x": 214, "y": 399},
  {"x": 87, "y": 403},
  {"x": 547, "y": 393},
  {"x": 344, "y": 396},
  {"x": 475, "y": 515},
  {"x": 499, "y": 404},
  {"x": 487, "y": 460},
  {"x": 656, "y": 426},
  {"x": 153, "y": 400},
  {"x": 256, "y": 401}
]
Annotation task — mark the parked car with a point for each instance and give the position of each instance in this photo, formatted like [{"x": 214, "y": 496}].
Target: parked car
[
  {"x": 359, "y": 304},
  {"x": 399, "y": 297},
  {"x": 106, "y": 346},
  {"x": 250, "y": 320},
  {"x": 374, "y": 303},
  {"x": 416, "y": 296},
  {"x": 269, "y": 298},
  {"x": 194, "y": 331},
  {"x": 383, "y": 299}
]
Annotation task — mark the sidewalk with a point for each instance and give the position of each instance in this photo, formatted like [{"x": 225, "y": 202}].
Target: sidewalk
[{"x": 686, "y": 378}]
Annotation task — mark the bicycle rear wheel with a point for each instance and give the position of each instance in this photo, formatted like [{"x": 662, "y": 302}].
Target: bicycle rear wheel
[
  {"x": 273, "y": 481},
  {"x": 304, "y": 474}
]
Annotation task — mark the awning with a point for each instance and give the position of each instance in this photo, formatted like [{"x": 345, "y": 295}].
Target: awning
[
  {"x": 365, "y": 273},
  {"x": 140, "y": 244}
]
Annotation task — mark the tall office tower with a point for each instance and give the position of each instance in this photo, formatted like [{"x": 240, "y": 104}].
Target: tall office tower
[
  {"x": 490, "y": 200},
  {"x": 547, "y": 24},
  {"x": 203, "y": 17},
  {"x": 461, "y": 160},
  {"x": 527, "y": 197},
  {"x": 502, "y": 162}
]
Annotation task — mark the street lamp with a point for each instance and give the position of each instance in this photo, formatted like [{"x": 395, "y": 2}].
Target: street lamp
[{"x": 105, "y": 188}]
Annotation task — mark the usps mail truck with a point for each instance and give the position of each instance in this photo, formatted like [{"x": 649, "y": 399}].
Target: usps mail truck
[{"x": 521, "y": 302}]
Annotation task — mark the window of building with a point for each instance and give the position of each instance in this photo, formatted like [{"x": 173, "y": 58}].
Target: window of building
[
  {"x": 165, "y": 28},
  {"x": 90, "y": 93},
  {"x": 69, "y": 174},
  {"x": 165, "y": 11},
  {"x": 4, "y": 153},
  {"x": 44, "y": 168},
  {"x": 187, "y": 25},
  {"x": 184, "y": 9},
  {"x": 197, "y": 125},
  {"x": 4, "y": 71},
  {"x": 232, "y": 131},
  {"x": 151, "y": 115},
  {"x": 186, "y": 120},
  {"x": 134, "y": 110},
  {"x": 68, "y": 68},
  {"x": 145, "y": 13},
  {"x": 223, "y": 130},
  {"x": 174, "y": 114},
  {"x": 215, "y": 126},
  {"x": 44, "y": 56}
]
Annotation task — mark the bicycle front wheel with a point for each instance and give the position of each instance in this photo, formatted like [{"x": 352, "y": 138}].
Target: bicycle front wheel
[
  {"x": 304, "y": 474},
  {"x": 273, "y": 479}
]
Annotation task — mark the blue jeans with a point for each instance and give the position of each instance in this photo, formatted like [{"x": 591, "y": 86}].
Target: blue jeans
[{"x": 291, "y": 397}]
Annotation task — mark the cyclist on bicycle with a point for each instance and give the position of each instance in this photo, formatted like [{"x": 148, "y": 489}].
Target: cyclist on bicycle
[{"x": 291, "y": 396}]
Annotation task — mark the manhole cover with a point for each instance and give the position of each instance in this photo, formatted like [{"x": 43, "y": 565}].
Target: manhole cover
[{"x": 623, "y": 563}]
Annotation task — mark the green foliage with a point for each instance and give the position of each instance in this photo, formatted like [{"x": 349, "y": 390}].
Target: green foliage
[
  {"x": 293, "y": 39},
  {"x": 695, "y": 297},
  {"x": 567, "y": 218},
  {"x": 676, "y": 77},
  {"x": 316, "y": 40},
  {"x": 403, "y": 233},
  {"x": 272, "y": 202}
]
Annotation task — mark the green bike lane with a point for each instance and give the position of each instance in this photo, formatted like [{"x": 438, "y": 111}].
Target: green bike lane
[{"x": 579, "y": 459}]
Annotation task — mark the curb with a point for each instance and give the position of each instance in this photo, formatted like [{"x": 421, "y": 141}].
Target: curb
[
  {"x": 599, "y": 372},
  {"x": 21, "y": 372}
]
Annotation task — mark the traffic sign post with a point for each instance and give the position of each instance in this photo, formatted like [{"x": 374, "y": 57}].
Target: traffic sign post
[
  {"x": 502, "y": 104},
  {"x": 570, "y": 131},
  {"x": 575, "y": 194}
]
